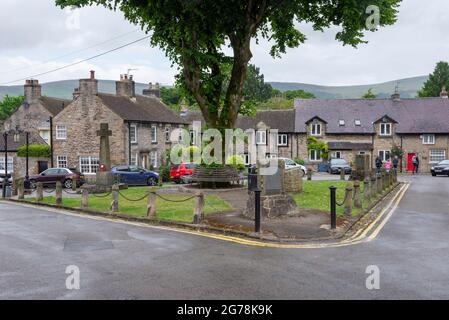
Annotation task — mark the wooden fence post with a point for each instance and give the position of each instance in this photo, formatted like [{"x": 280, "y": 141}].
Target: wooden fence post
[
  {"x": 198, "y": 213},
  {"x": 85, "y": 199},
  {"x": 58, "y": 192},
  {"x": 151, "y": 203},
  {"x": 39, "y": 192},
  {"x": 115, "y": 196}
]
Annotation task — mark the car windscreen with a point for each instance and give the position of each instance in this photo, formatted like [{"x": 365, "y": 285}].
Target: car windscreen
[
  {"x": 339, "y": 162},
  {"x": 444, "y": 163}
]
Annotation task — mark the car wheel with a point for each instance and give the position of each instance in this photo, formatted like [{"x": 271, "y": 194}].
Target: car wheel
[
  {"x": 152, "y": 181},
  {"x": 434, "y": 174},
  {"x": 68, "y": 184},
  {"x": 33, "y": 184}
]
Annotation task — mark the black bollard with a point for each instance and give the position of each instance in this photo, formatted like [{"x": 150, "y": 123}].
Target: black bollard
[{"x": 333, "y": 200}]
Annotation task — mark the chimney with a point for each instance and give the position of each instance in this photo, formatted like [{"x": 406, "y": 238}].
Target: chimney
[
  {"x": 32, "y": 91},
  {"x": 184, "y": 111},
  {"x": 76, "y": 93},
  {"x": 126, "y": 87},
  {"x": 396, "y": 96},
  {"x": 153, "y": 90},
  {"x": 443, "y": 93},
  {"x": 89, "y": 86}
]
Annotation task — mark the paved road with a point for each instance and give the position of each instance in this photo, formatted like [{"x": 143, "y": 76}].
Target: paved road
[{"x": 119, "y": 261}]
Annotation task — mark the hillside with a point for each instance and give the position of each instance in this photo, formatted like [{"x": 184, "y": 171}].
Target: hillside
[{"x": 407, "y": 87}]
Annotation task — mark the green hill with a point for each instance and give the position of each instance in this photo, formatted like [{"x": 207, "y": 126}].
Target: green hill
[{"x": 407, "y": 87}]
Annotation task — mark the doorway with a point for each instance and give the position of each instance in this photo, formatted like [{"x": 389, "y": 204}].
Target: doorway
[{"x": 409, "y": 161}]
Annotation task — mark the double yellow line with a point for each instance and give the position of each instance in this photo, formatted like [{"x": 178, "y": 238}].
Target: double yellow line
[{"x": 362, "y": 235}]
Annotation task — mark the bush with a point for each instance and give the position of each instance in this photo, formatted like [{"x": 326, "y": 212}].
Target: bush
[
  {"x": 237, "y": 162},
  {"x": 35, "y": 150},
  {"x": 164, "y": 173},
  {"x": 299, "y": 161}
]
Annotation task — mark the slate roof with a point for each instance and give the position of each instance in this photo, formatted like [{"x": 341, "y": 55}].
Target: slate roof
[
  {"x": 13, "y": 146},
  {"x": 283, "y": 120},
  {"x": 142, "y": 109},
  {"x": 54, "y": 105},
  {"x": 423, "y": 115},
  {"x": 341, "y": 145}
]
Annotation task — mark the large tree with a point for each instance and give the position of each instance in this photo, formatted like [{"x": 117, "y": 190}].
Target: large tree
[
  {"x": 195, "y": 33},
  {"x": 8, "y": 105},
  {"x": 437, "y": 80}
]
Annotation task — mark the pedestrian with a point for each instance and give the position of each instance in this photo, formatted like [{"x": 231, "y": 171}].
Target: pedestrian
[
  {"x": 388, "y": 165},
  {"x": 395, "y": 163},
  {"x": 415, "y": 163},
  {"x": 378, "y": 164}
]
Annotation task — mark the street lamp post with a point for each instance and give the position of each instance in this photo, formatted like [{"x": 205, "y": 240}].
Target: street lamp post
[
  {"x": 27, "y": 173},
  {"x": 5, "y": 182},
  {"x": 51, "y": 141}
]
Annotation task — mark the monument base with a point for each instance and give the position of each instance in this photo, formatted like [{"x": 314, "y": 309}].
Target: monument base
[
  {"x": 104, "y": 179},
  {"x": 271, "y": 206}
]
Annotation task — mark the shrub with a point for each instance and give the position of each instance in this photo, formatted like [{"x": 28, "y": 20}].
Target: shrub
[
  {"x": 237, "y": 162},
  {"x": 35, "y": 150},
  {"x": 299, "y": 161}
]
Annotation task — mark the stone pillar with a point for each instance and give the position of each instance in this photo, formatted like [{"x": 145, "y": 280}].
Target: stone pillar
[
  {"x": 357, "y": 195},
  {"x": 384, "y": 180},
  {"x": 21, "y": 189},
  {"x": 115, "y": 195},
  {"x": 379, "y": 184},
  {"x": 58, "y": 192},
  {"x": 373, "y": 187},
  {"x": 342, "y": 175},
  {"x": 198, "y": 213},
  {"x": 348, "y": 200},
  {"x": 309, "y": 173},
  {"x": 151, "y": 203},
  {"x": 74, "y": 183},
  {"x": 366, "y": 192},
  {"x": 39, "y": 192},
  {"x": 85, "y": 199}
]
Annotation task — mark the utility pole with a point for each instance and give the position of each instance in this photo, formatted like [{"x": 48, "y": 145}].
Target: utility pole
[
  {"x": 5, "y": 182},
  {"x": 51, "y": 142}
]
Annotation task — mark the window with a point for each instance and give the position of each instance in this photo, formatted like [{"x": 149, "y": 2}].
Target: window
[
  {"x": 437, "y": 155},
  {"x": 247, "y": 159},
  {"x": 10, "y": 163},
  {"x": 315, "y": 155},
  {"x": 261, "y": 137},
  {"x": 384, "y": 155},
  {"x": 167, "y": 134},
  {"x": 61, "y": 132},
  {"x": 357, "y": 122},
  {"x": 428, "y": 139},
  {"x": 192, "y": 137},
  {"x": 336, "y": 155},
  {"x": 282, "y": 139},
  {"x": 89, "y": 165},
  {"x": 315, "y": 129},
  {"x": 154, "y": 134},
  {"x": 341, "y": 123},
  {"x": 62, "y": 161},
  {"x": 153, "y": 159},
  {"x": 385, "y": 129},
  {"x": 134, "y": 159},
  {"x": 133, "y": 133},
  {"x": 363, "y": 152},
  {"x": 45, "y": 135},
  {"x": 271, "y": 156}
]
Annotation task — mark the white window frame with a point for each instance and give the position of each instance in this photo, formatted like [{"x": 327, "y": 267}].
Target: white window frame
[
  {"x": 153, "y": 133},
  {"x": 341, "y": 123},
  {"x": 153, "y": 158},
  {"x": 261, "y": 137},
  {"x": 62, "y": 161},
  {"x": 315, "y": 155},
  {"x": 383, "y": 155},
  {"x": 428, "y": 139},
  {"x": 246, "y": 158},
  {"x": 383, "y": 127},
  {"x": 61, "y": 132},
  {"x": 10, "y": 163},
  {"x": 134, "y": 159},
  {"x": 282, "y": 139},
  {"x": 92, "y": 163},
  {"x": 334, "y": 154},
  {"x": 47, "y": 133},
  {"x": 440, "y": 157},
  {"x": 315, "y": 129},
  {"x": 358, "y": 122},
  {"x": 167, "y": 133},
  {"x": 133, "y": 137}
]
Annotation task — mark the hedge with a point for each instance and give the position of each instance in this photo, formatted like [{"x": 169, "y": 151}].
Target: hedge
[{"x": 35, "y": 150}]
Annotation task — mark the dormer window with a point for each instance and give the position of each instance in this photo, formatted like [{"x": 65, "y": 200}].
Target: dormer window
[
  {"x": 385, "y": 129},
  {"x": 341, "y": 123},
  {"x": 428, "y": 139},
  {"x": 315, "y": 129},
  {"x": 357, "y": 122}
]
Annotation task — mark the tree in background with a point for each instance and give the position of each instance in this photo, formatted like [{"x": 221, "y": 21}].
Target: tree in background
[
  {"x": 284, "y": 100},
  {"x": 369, "y": 94},
  {"x": 195, "y": 35},
  {"x": 298, "y": 94},
  {"x": 8, "y": 105},
  {"x": 437, "y": 80}
]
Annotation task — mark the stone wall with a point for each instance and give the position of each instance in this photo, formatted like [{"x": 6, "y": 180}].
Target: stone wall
[
  {"x": 293, "y": 180},
  {"x": 33, "y": 167}
]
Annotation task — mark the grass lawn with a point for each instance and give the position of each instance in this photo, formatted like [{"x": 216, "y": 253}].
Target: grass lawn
[
  {"x": 316, "y": 195},
  {"x": 174, "y": 211}
]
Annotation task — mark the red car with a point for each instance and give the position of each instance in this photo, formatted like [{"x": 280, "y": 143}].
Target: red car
[
  {"x": 50, "y": 176},
  {"x": 177, "y": 172}
]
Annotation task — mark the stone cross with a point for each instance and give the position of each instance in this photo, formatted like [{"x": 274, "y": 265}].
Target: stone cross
[{"x": 105, "y": 153}]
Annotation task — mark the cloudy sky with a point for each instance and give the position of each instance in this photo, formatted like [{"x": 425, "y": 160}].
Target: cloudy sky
[{"x": 37, "y": 36}]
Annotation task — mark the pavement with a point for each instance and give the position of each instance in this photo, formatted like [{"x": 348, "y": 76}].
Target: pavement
[{"x": 125, "y": 261}]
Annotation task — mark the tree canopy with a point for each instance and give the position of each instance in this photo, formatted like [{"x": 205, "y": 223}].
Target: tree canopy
[
  {"x": 437, "y": 80},
  {"x": 8, "y": 105},
  {"x": 195, "y": 35},
  {"x": 369, "y": 94}
]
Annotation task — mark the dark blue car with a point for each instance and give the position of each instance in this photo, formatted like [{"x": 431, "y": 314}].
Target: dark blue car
[{"x": 134, "y": 175}]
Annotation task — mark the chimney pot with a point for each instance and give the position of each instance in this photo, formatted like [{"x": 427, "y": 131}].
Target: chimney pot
[
  {"x": 443, "y": 93},
  {"x": 32, "y": 90},
  {"x": 92, "y": 74}
]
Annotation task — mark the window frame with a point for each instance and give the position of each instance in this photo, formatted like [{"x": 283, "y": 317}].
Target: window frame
[
  {"x": 384, "y": 125},
  {"x": 154, "y": 163},
  {"x": 59, "y": 130},
  {"x": 317, "y": 155},
  {"x": 47, "y": 132},
  {"x": 60, "y": 159},
  {"x": 427, "y": 135},
  {"x": 91, "y": 163},
  {"x": 281, "y": 137},
  {"x": 383, "y": 157},
  {"x": 132, "y": 139},
  {"x": 335, "y": 152},
  {"x": 314, "y": 129},
  {"x": 437, "y": 161},
  {"x": 10, "y": 163},
  {"x": 167, "y": 133},
  {"x": 261, "y": 133},
  {"x": 153, "y": 133}
]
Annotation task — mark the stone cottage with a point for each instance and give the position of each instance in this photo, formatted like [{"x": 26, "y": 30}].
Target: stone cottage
[{"x": 140, "y": 125}]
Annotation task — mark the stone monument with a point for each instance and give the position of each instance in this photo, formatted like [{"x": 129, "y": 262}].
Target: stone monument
[
  {"x": 362, "y": 168},
  {"x": 274, "y": 200},
  {"x": 104, "y": 174}
]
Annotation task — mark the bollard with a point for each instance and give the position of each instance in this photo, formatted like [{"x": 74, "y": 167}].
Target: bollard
[
  {"x": 21, "y": 189},
  {"x": 366, "y": 192},
  {"x": 333, "y": 206},
  {"x": 85, "y": 199},
  {"x": 58, "y": 192},
  {"x": 39, "y": 191},
  {"x": 198, "y": 213},
  {"x": 348, "y": 199},
  {"x": 373, "y": 187},
  {"x": 114, "y": 203},
  {"x": 309, "y": 174},
  {"x": 384, "y": 180},
  {"x": 379, "y": 183},
  {"x": 342, "y": 175},
  {"x": 357, "y": 195},
  {"x": 74, "y": 184},
  {"x": 151, "y": 203}
]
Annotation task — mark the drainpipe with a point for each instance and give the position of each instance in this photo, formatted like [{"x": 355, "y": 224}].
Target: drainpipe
[
  {"x": 129, "y": 143},
  {"x": 402, "y": 155}
]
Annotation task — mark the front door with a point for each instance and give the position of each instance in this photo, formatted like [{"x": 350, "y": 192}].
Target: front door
[
  {"x": 409, "y": 161},
  {"x": 42, "y": 166},
  {"x": 145, "y": 163}
]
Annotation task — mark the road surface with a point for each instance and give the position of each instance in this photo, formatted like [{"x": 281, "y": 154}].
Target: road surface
[{"x": 121, "y": 261}]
